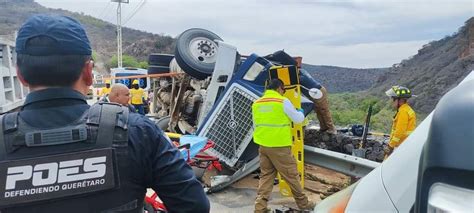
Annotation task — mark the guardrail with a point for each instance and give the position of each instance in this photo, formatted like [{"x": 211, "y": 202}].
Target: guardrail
[{"x": 346, "y": 164}]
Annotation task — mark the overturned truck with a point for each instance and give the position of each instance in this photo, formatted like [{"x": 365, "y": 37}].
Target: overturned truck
[{"x": 213, "y": 99}]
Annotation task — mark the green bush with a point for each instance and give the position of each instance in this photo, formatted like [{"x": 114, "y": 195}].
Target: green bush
[
  {"x": 382, "y": 121},
  {"x": 351, "y": 108},
  {"x": 143, "y": 65},
  {"x": 94, "y": 56},
  {"x": 127, "y": 61}
]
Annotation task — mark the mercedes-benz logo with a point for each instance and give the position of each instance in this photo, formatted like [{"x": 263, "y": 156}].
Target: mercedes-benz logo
[{"x": 232, "y": 124}]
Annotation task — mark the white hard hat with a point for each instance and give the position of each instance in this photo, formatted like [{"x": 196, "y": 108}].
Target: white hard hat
[{"x": 315, "y": 93}]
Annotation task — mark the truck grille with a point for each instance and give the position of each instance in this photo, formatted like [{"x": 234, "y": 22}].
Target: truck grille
[{"x": 230, "y": 125}]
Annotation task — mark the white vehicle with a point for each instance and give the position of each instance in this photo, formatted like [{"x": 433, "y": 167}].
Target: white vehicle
[
  {"x": 392, "y": 187},
  {"x": 120, "y": 73}
]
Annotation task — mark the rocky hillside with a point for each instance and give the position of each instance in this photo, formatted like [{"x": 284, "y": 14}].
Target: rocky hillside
[
  {"x": 438, "y": 67},
  {"x": 342, "y": 79},
  {"x": 434, "y": 70},
  {"x": 102, "y": 34}
]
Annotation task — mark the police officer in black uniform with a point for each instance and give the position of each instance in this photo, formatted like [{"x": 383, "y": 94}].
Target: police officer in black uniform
[{"x": 58, "y": 154}]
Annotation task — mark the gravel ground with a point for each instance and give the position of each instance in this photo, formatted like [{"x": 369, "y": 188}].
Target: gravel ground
[{"x": 240, "y": 197}]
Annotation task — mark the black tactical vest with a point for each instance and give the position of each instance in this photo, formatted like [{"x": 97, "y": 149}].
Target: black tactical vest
[{"x": 83, "y": 167}]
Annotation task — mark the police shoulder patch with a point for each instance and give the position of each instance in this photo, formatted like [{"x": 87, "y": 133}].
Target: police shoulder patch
[{"x": 56, "y": 176}]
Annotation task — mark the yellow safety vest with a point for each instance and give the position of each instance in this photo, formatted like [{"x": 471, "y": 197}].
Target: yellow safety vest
[
  {"x": 105, "y": 91},
  {"x": 272, "y": 125},
  {"x": 403, "y": 125},
  {"x": 137, "y": 96}
]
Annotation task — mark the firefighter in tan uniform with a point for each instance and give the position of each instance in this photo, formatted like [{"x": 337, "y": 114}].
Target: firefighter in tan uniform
[{"x": 321, "y": 105}]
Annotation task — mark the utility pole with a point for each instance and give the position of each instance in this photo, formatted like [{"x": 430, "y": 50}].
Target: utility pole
[{"x": 119, "y": 31}]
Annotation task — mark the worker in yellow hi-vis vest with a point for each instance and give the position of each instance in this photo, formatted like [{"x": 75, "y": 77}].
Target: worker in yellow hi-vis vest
[
  {"x": 404, "y": 121},
  {"x": 137, "y": 97},
  {"x": 104, "y": 91},
  {"x": 272, "y": 117}
]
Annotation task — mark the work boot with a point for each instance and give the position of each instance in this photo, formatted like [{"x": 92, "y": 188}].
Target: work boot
[
  {"x": 309, "y": 206},
  {"x": 331, "y": 131},
  {"x": 267, "y": 210},
  {"x": 261, "y": 205}
]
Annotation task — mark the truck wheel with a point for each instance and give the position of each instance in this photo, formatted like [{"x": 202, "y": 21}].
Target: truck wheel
[
  {"x": 163, "y": 123},
  {"x": 158, "y": 69},
  {"x": 160, "y": 59},
  {"x": 196, "y": 52}
]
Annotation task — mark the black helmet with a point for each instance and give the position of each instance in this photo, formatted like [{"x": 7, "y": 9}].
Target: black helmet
[{"x": 399, "y": 92}]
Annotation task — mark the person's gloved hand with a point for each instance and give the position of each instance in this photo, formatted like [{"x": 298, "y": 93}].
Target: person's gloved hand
[{"x": 300, "y": 110}]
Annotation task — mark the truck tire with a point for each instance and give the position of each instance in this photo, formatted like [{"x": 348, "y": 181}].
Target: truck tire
[
  {"x": 196, "y": 52},
  {"x": 163, "y": 123},
  {"x": 158, "y": 69},
  {"x": 156, "y": 59}
]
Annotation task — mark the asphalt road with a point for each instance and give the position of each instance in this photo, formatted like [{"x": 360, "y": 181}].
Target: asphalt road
[{"x": 241, "y": 200}]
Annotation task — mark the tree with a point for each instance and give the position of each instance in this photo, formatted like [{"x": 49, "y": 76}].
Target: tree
[
  {"x": 127, "y": 61},
  {"x": 143, "y": 65}
]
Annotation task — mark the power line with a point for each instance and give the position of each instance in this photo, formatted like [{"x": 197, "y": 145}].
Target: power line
[
  {"x": 135, "y": 11},
  {"x": 102, "y": 16},
  {"x": 106, "y": 16}
]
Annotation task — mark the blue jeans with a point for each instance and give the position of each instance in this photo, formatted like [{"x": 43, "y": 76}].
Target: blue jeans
[{"x": 140, "y": 108}]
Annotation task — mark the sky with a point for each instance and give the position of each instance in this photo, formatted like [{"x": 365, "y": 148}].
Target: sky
[{"x": 347, "y": 33}]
